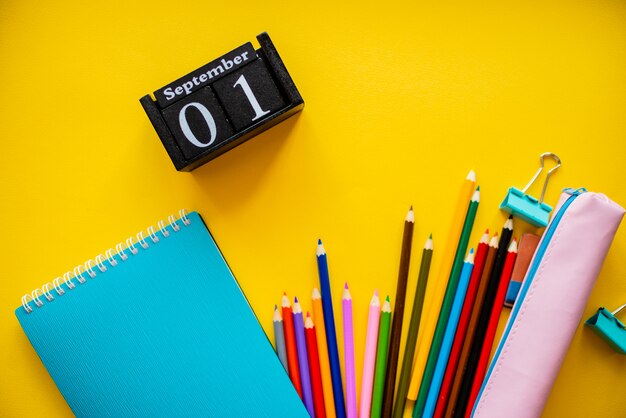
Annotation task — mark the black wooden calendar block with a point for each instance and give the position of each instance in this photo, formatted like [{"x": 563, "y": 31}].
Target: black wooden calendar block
[
  {"x": 249, "y": 94},
  {"x": 222, "y": 104},
  {"x": 197, "y": 123},
  {"x": 205, "y": 75}
]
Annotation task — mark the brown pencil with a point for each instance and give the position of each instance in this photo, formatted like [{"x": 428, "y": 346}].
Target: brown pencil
[
  {"x": 396, "y": 325},
  {"x": 471, "y": 328}
]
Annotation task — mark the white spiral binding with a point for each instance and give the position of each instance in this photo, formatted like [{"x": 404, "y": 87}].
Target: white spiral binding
[
  {"x": 78, "y": 275},
  {"x": 110, "y": 255},
  {"x": 68, "y": 280},
  {"x": 119, "y": 249}
]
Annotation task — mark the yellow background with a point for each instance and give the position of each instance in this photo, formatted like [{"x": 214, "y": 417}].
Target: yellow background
[{"x": 402, "y": 99}]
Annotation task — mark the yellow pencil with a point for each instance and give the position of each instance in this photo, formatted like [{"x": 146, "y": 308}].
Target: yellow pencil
[
  {"x": 320, "y": 332},
  {"x": 437, "y": 287}
]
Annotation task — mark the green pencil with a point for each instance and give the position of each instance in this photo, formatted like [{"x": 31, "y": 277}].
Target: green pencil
[
  {"x": 381, "y": 360},
  {"x": 446, "y": 306},
  {"x": 411, "y": 339}
]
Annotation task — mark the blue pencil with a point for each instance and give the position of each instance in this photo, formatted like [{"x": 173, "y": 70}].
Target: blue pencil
[
  {"x": 448, "y": 336},
  {"x": 303, "y": 358},
  {"x": 331, "y": 336}
]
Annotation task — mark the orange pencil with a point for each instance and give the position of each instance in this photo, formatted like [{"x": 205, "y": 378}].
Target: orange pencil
[
  {"x": 320, "y": 331},
  {"x": 290, "y": 345},
  {"x": 314, "y": 368}
]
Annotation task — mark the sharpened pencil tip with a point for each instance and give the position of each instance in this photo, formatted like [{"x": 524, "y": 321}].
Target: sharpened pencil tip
[
  {"x": 297, "y": 309},
  {"x": 308, "y": 314},
  {"x": 494, "y": 241},
  {"x": 316, "y": 294},
  {"x": 375, "y": 301},
  {"x": 410, "y": 217},
  {"x": 277, "y": 317},
  {"x": 430, "y": 236},
  {"x": 510, "y": 216},
  {"x": 346, "y": 293},
  {"x": 485, "y": 238},
  {"x": 295, "y": 299},
  {"x": 320, "y": 249},
  {"x": 345, "y": 285},
  {"x": 387, "y": 299},
  {"x": 387, "y": 306},
  {"x": 429, "y": 243},
  {"x": 476, "y": 195},
  {"x": 471, "y": 176}
]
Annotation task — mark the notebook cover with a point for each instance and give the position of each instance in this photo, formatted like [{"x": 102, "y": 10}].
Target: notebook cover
[{"x": 168, "y": 332}]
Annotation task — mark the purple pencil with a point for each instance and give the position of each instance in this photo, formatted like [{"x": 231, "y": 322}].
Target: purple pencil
[
  {"x": 348, "y": 351},
  {"x": 305, "y": 377}
]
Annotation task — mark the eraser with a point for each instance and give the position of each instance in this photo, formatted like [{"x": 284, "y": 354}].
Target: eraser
[{"x": 525, "y": 252}]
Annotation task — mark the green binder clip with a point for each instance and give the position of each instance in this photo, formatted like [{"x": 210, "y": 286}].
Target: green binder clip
[
  {"x": 528, "y": 208},
  {"x": 609, "y": 328}
]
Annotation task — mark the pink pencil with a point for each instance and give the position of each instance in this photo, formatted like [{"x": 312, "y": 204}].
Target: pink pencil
[
  {"x": 369, "y": 362},
  {"x": 348, "y": 352}
]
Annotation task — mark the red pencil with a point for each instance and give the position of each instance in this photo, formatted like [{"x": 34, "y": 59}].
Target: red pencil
[
  {"x": 290, "y": 345},
  {"x": 314, "y": 368},
  {"x": 493, "y": 326},
  {"x": 468, "y": 304}
]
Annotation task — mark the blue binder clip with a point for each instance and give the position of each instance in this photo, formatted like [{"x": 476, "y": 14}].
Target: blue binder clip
[
  {"x": 528, "y": 208},
  {"x": 609, "y": 328}
]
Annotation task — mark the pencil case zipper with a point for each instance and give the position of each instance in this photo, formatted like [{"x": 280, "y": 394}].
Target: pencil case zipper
[{"x": 532, "y": 271}]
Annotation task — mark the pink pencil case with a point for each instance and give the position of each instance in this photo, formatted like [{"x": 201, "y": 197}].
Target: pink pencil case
[{"x": 549, "y": 307}]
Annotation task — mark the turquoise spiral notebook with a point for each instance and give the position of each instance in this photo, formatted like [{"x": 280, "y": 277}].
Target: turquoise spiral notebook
[{"x": 157, "y": 328}]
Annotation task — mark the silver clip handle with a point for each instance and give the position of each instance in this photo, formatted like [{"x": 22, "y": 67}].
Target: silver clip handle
[
  {"x": 541, "y": 167},
  {"x": 618, "y": 310}
]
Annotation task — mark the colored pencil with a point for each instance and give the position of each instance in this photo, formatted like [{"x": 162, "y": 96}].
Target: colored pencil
[
  {"x": 471, "y": 328},
  {"x": 320, "y": 332},
  {"x": 396, "y": 324},
  {"x": 459, "y": 337},
  {"x": 369, "y": 361},
  {"x": 314, "y": 367},
  {"x": 331, "y": 335},
  {"x": 303, "y": 358},
  {"x": 448, "y": 338},
  {"x": 435, "y": 292},
  {"x": 348, "y": 353},
  {"x": 483, "y": 320},
  {"x": 381, "y": 360},
  {"x": 411, "y": 339},
  {"x": 493, "y": 325},
  {"x": 290, "y": 345},
  {"x": 279, "y": 338},
  {"x": 446, "y": 305}
]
